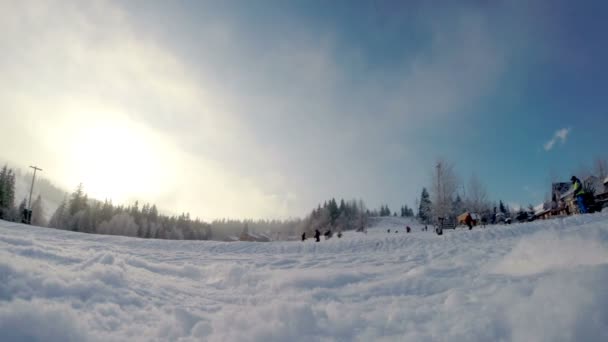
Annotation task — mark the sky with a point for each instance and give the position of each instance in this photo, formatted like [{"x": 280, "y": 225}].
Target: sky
[{"x": 264, "y": 109}]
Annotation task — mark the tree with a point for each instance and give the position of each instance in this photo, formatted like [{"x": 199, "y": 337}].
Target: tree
[
  {"x": 333, "y": 211},
  {"x": 444, "y": 185},
  {"x": 502, "y": 208},
  {"x": 61, "y": 216},
  {"x": 425, "y": 208},
  {"x": 477, "y": 195},
  {"x": 38, "y": 213},
  {"x": 601, "y": 168},
  {"x": 78, "y": 200},
  {"x": 7, "y": 192},
  {"x": 121, "y": 224}
]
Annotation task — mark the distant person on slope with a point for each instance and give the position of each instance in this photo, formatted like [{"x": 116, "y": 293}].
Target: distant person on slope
[
  {"x": 304, "y": 236},
  {"x": 317, "y": 235},
  {"x": 579, "y": 193}
]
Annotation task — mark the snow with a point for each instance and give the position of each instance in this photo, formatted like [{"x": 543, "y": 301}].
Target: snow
[{"x": 537, "y": 281}]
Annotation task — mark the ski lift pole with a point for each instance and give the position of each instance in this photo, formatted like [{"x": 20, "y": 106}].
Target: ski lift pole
[{"x": 32, "y": 187}]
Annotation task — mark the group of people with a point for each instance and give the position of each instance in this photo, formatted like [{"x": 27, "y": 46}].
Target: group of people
[
  {"x": 328, "y": 234},
  {"x": 407, "y": 230}
]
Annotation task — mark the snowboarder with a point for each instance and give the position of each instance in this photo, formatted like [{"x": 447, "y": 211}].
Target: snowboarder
[
  {"x": 579, "y": 194},
  {"x": 317, "y": 235},
  {"x": 304, "y": 236}
]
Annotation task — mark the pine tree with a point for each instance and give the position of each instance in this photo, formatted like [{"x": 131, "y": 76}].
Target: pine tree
[
  {"x": 424, "y": 211},
  {"x": 502, "y": 208},
  {"x": 333, "y": 211},
  {"x": 7, "y": 192},
  {"x": 78, "y": 201},
  {"x": 61, "y": 216}
]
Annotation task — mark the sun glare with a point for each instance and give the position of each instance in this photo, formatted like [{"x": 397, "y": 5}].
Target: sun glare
[{"x": 116, "y": 160}]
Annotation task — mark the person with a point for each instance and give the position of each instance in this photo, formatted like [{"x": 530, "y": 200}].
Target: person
[
  {"x": 388, "y": 230},
  {"x": 339, "y": 234},
  {"x": 304, "y": 236},
  {"x": 426, "y": 227},
  {"x": 317, "y": 235},
  {"x": 579, "y": 193},
  {"x": 408, "y": 229},
  {"x": 469, "y": 221}
]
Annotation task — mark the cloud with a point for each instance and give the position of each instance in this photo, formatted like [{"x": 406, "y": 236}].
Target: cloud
[
  {"x": 241, "y": 125},
  {"x": 560, "y": 135}
]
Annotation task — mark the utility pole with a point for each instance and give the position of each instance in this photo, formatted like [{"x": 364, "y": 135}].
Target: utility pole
[{"x": 32, "y": 187}]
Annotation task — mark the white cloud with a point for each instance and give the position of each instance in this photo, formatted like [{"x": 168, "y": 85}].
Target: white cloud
[{"x": 560, "y": 135}]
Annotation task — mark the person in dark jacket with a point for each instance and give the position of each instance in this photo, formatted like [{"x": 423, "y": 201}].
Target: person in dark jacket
[
  {"x": 304, "y": 236},
  {"x": 579, "y": 194},
  {"x": 317, "y": 235},
  {"x": 469, "y": 221}
]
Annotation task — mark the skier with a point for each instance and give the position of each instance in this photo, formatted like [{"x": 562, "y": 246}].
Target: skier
[
  {"x": 579, "y": 194},
  {"x": 408, "y": 229},
  {"x": 317, "y": 235},
  {"x": 304, "y": 236}
]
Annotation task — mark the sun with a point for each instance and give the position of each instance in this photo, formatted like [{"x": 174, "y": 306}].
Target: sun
[{"x": 116, "y": 160}]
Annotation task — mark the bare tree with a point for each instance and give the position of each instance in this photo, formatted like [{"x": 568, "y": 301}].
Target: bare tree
[
  {"x": 444, "y": 186},
  {"x": 600, "y": 168},
  {"x": 477, "y": 195}
]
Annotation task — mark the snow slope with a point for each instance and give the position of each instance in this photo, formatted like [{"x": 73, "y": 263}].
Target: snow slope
[{"x": 539, "y": 281}]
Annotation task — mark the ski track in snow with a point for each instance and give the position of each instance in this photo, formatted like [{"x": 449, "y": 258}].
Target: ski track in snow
[{"x": 538, "y": 281}]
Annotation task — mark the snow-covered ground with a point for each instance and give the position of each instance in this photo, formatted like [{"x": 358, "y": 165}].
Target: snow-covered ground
[{"x": 540, "y": 281}]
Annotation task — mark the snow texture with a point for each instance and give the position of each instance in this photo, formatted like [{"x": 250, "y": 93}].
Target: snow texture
[{"x": 539, "y": 281}]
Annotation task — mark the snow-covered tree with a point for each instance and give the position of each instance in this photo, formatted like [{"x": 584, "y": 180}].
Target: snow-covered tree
[
  {"x": 477, "y": 196},
  {"x": 78, "y": 200},
  {"x": 38, "y": 212},
  {"x": 121, "y": 224},
  {"x": 61, "y": 216},
  {"x": 444, "y": 185}
]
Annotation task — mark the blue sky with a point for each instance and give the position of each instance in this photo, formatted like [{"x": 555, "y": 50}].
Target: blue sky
[{"x": 266, "y": 108}]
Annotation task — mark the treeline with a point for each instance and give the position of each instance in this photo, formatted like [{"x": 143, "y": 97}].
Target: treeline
[
  {"x": 385, "y": 211},
  {"x": 348, "y": 215},
  {"x": 7, "y": 195},
  {"x": 80, "y": 214},
  {"x": 275, "y": 229}
]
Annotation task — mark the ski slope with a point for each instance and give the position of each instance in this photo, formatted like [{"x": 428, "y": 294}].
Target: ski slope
[{"x": 539, "y": 281}]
